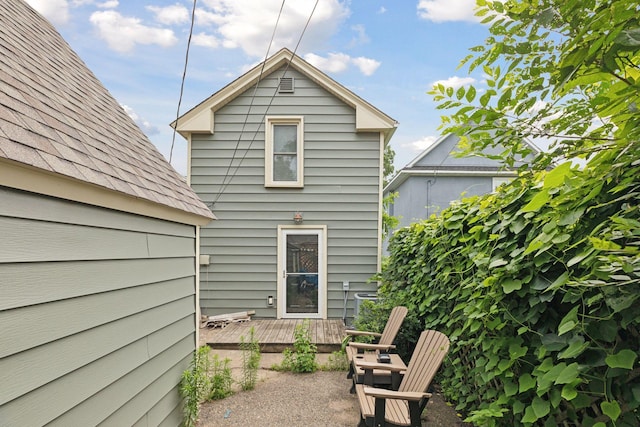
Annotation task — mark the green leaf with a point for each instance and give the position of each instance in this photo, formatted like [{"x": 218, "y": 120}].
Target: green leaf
[
  {"x": 556, "y": 177},
  {"x": 510, "y": 285},
  {"x": 510, "y": 388},
  {"x": 497, "y": 263},
  {"x": 569, "y": 322},
  {"x": 538, "y": 201},
  {"x": 526, "y": 382},
  {"x": 534, "y": 246},
  {"x": 540, "y": 407},
  {"x": 623, "y": 359},
  {"x": 529, "y": 415},
  {"x": 560, "y": 281},
  {"x": 471, "y": 94},
  {"x": 484, "y": 99},
  {"x": 569, "y": 392},
  {"x": 629, "y": 37},
  {"x": 576, "y": 347},
  {"x": 611, "y": 409},
  {"x": 516, "y": 351},
  {"x": 568, "y": 374}
]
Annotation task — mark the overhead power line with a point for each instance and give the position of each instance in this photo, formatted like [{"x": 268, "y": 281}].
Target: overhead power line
[
  {"x": 225, "y": 181},
  {"x": 184, "y": 75}
]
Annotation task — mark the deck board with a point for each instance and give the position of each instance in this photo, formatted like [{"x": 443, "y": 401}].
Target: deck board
[{"x": 275, "y": 335}]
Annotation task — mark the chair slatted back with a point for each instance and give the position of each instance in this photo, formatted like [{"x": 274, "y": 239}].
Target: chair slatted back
[
  {"x": 396, "y": 317},
  {"x": 430, "y": 351}
]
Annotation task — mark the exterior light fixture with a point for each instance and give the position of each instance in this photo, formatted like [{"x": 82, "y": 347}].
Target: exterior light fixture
[
  {"x": 270, "y": 300},
  {"x": 297, "y": 218}
]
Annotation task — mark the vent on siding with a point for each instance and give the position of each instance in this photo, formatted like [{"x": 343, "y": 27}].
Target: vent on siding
[{"x": 286, "y": 85}]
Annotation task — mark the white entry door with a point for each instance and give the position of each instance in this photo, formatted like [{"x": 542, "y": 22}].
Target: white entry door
[{"x": 302, "y": 272}]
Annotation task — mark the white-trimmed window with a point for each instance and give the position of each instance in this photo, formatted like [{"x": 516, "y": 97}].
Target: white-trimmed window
[{"x": 284, "y": 152}]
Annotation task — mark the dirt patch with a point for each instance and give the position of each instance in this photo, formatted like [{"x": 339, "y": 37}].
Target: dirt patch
[{"x": 287, "y": 399}]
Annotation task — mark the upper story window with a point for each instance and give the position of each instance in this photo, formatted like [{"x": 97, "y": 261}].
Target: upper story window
[{"x": 284, "y": 152}]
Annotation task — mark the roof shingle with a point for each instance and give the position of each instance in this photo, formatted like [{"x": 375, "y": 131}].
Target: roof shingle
[{"x": 57, "y": 116}]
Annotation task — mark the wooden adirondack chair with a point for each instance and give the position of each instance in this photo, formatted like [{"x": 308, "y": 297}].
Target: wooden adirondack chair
[
  {"x": 381, "y": 407},
  {"x": 384, "y": 340}
]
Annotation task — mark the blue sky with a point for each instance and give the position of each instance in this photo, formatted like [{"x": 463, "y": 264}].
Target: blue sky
[{"x": 389, "y": 52}]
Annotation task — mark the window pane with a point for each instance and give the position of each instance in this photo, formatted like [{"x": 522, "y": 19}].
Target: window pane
[
  {"x": 285, "y": 138},
  {"x": 285, "y": 167}
]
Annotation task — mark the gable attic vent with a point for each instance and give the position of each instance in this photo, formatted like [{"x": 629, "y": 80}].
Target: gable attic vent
[{"x": 286, "y": 85}]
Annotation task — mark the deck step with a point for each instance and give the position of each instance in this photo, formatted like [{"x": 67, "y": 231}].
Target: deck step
[{"x": 274, "y": 335}]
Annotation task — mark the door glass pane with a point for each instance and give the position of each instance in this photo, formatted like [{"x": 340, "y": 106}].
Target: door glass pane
[{"x": 302, "y": 273}]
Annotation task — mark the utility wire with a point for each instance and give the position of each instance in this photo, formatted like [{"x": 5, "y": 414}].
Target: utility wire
[
  {"x": 246, "y": 117},
  {"x": 184, "y": 75},
  {"x": 293, "y": 54}
]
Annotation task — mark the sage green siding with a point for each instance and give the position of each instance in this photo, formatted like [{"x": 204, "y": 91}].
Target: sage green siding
[
  {"x": 97, "y": 314},
  {"x": 341, "y": 190}
]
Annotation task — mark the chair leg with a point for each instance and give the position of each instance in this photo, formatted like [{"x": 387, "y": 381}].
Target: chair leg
[
  {"x": 380, "y": 413},
  {"x": 414, "y": 414}
]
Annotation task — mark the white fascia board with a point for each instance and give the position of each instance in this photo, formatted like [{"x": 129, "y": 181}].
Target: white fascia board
[
  {"x": 403, "y": 175},
  {"x": 199, "y": 123},
  {"x": 200, "y": 119}
]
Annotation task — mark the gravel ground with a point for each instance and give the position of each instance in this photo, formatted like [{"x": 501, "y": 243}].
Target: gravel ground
[{"x": 299, "y": 400}]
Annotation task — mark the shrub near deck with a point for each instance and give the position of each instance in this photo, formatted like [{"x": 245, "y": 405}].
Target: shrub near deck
[{"x": 537, "y": 287}]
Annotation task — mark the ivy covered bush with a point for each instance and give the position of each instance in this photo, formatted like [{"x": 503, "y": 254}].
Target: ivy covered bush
[{"x": 537, "y": 286}]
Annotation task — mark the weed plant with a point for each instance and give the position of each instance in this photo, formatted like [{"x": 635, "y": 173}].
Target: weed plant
[
  {"x": 221, "y": 379},
  {"x": 302, "y": 358},
  {"x": 337, "y": 361},
  {"x": 195, "y": 385},
  {"x": 250, "y": 360}
]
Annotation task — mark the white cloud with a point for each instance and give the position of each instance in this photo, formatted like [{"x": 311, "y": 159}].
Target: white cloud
[
  {"x": 123, "y": 33},
  {"x": 360, "y": 37},
  {"x": 456, "y": 82},
  {"x": 169, "y": 15},
  {"x": 110, "y": 4},
  {"x": 333, "y": 63},
  {"x": 382, "y": 10},
  {"x": 367, "y": 66},
  {"x": 248, "y": 24},
  {"x": 56, "y": 11},
  {"x": 339, "y": 62},
  {"x": 421, "y": 144},
  {"x": 145, "y": 125},
  {"x": 202, "y": 39},
  {"x": 447, "y": 10}
]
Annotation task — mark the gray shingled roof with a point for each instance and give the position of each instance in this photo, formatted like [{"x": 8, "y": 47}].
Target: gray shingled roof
[{"x": 55, "y": 115}]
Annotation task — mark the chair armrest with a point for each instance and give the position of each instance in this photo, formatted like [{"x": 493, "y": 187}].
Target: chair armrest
[
  {"x": 354, "y": 333},
  {"x": 390, "y": 394},
  {"x": 381, "y": 366},
  {"x": 370, "y": 346}
]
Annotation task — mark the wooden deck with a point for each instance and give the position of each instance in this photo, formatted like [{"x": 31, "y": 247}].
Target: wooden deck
[{"x": 275, "y": 335}]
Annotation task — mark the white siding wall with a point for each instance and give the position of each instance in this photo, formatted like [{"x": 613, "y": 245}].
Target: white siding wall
[
  {"x": 97, "y": 313},
  {"x": 341, "y": 190}
]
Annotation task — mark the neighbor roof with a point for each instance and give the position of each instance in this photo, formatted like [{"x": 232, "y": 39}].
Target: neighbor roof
[
  {"x": 447, "y": 166},
  {"x": 56, "y": 117},
  {"x": 200, "y": 118}
]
